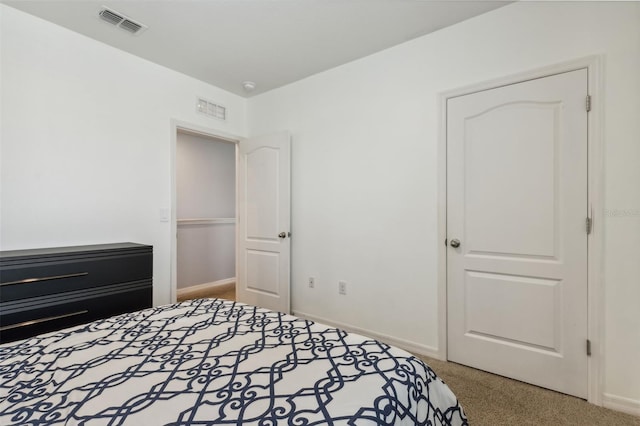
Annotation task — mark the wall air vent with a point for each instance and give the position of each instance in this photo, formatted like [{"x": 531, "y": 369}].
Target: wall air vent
[
  {"x": 206, "y": 107},
  {"x": 121, "y": 21}
]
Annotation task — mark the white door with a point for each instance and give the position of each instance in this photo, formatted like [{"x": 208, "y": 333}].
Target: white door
[
  {"x": 263, "y": 221},
  {"x": 517, "y": 205}
]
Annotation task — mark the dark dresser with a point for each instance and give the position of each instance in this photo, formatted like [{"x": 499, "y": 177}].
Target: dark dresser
[{"x": 43, "y": 290}]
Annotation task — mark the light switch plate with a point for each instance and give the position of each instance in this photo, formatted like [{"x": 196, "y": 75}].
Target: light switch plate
[{"x": 164, "y": 215}]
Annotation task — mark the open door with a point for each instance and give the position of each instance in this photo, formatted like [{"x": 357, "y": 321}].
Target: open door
[{"x": 263, "y": 221}]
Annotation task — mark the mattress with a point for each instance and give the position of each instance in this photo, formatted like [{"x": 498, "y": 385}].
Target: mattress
[{"x": 209, "y": 361}]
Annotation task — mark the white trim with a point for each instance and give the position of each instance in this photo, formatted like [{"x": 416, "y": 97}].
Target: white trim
[
  {"x": 619, "y": 403},
  {"x": 441, "y": 248},
  {"x": 191, "y": 129},
  {"x": 595, "y": 309},
  {"x": 222, "y": 285},
  {"x": 197, "y": 130},
  {"x": 407, "y": 345},
  {"x": 596, "y": 288}
]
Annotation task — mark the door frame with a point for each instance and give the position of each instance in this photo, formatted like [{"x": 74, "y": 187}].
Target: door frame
[
  {"x": 595, "y": 179},
  {"x": 196, "y": 130}
]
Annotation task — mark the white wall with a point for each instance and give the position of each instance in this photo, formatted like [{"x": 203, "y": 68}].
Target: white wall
[
  {"x": 205, "y": 177},
  {"x": 86, "y": 140},
  {"x": 364, "y": 172},
  {"x": 206, "y": 188}
]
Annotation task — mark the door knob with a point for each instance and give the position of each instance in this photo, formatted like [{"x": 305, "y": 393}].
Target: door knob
[
  {"x": 455, "y": 243},
  {"x": 282, "y": 235}
]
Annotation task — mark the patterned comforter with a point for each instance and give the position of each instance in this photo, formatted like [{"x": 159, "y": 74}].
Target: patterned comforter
[{"x": 208, "y": 361}]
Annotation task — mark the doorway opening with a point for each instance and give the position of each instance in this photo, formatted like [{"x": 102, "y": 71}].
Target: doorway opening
[
  {"x": 262, "y": 241},
  {"x": 203, "y": 258},
  {"x": 205, "y": 216}
]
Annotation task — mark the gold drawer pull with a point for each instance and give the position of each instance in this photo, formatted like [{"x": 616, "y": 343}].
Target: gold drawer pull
[
  {"x": 41, "y": 320},
  {"x": 35, "y": 280}
]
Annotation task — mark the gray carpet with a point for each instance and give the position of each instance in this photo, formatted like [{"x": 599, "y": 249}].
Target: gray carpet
[{"x": 488, "y": 399}]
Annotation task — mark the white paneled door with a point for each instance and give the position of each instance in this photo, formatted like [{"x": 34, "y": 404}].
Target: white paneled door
[
  {"x": 263, "y": 223},
  {"x": 516, "y": 211}
]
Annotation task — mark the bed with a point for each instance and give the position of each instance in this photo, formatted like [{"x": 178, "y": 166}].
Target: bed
[{"x": 210, "y": 361}]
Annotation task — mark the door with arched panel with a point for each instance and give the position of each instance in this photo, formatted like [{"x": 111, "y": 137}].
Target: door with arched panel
[
  {"x": 264, "y": 221},
  {"x": 516, "y": 208}
]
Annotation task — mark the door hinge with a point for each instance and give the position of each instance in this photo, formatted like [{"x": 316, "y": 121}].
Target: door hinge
[
  {"x": 588, "y": 347},
  {"x": 445, "y": 242},
  {"x": 588, "y": 103},
  {"x": 589, "y": 225}
]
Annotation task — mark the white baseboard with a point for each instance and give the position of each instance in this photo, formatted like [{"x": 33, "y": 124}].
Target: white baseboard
[
  {"x": 619, "y": 403},
  {"x": 222, "y": 285},
  {"x": 407, "y": 345}
]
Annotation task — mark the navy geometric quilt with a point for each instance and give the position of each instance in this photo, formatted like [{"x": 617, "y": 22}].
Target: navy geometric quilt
[{"x": 214, "y": 362}]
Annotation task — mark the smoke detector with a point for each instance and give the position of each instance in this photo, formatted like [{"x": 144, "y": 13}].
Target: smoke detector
[
  {"x": 121, "y": 21},
  {"x": 248, "y": 86}
]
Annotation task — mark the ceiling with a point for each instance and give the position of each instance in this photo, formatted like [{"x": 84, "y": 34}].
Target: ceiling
[{"x": 270, "y": 42}]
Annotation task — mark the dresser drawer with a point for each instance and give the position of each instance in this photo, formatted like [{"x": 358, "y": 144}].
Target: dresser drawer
[
  {"x": 23, "y": 319},
  {"x": 47, "y": 289},
  {"x": 22, "y": 280}
]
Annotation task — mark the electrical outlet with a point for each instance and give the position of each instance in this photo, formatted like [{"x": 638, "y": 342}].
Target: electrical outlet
[
  {"x": 342, "y": 287},
  {"x": 312, "y": 282}
]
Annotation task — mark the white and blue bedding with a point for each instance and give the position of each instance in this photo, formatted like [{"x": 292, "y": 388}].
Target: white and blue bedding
[{"x": 213, "y": 362}]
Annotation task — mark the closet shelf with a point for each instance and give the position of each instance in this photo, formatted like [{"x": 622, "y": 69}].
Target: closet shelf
[{"x": 206, "y": 221}]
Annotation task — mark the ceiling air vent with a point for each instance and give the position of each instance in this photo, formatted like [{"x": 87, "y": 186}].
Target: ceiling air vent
[
  {"x": 121, "y": 21},
  {"x": 130, "y": 26},
  {"x": 111, "y": 17}
]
